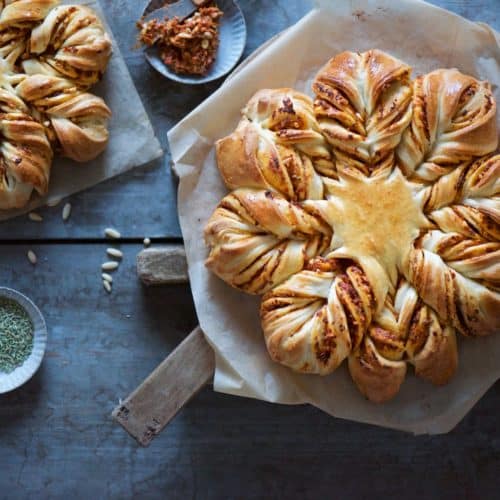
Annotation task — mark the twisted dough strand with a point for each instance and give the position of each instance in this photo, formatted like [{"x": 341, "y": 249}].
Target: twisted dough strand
[
  {"x": 17, "y": 18},
  {"x": 70, "y": 42},
  {"x": 467, "y": 200},
  {"x": 474, "y": 258},
  {"x": 78, "y": 119},
  {"x": 363, "y": 104},
  {"x": 25, "y": 153},
  {"x": 453, "y": 121},
  {"x": 469, "y": 306},
  {"x": 257, "y": 239},
  {"x": 312, "y": 321},
  {"x": 277, "y": 145},
  {"x": 406, "y": 331},
  {"x": 465, "y": 184}
]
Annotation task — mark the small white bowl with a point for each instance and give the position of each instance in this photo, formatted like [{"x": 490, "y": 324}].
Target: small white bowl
[{"x": 21, "y": 374}]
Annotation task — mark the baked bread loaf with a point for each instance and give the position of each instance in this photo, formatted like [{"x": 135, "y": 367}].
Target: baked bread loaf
[
  {"x": 369, "y": 219},
  {"x": 49, "y": 56}
]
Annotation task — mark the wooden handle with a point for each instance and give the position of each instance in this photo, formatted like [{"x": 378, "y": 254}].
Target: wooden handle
[{"x": 157, "y": 400}]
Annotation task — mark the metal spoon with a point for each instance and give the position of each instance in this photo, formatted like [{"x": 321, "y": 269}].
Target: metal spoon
[{"x": 181, "y": 9}]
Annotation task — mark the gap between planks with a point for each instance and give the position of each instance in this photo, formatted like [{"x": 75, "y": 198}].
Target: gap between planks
[{"x": 91, "y": 241}]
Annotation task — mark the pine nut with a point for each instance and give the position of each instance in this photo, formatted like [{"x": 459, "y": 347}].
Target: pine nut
[
  {"x": 35, "y": 217},
  {"x": 109, "y": 266},
  {"x": 113, "y": 252},
  {"x": 32, "y": 257},
  {"x": 112, "y": 233}
]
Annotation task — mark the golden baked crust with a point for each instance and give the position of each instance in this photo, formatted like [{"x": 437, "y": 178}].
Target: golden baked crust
[
  {"x": 77, "y": 120},
  {"x": 278, "y": 144},
  {"x": 369, "y": 219},
  {"x": 259, "y": 239},
  {"x": 25, "y": 153},
  {"x": 72, "y": 42},
  {"x": 60, "y": 40},
  {"x": 49, "y": 56},
  {"x": 453, "y": 121},
  {"x": 363, "y": 105},
  {"x": 17, "y": 18}
]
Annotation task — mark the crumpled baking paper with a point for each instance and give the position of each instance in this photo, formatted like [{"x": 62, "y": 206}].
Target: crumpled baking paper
[
  {"x": 132, "y": 141},
  {"x": 427, "y": 38}
]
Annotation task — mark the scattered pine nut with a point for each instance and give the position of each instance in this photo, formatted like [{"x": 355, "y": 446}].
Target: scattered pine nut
[
  {"x": 107, "y": 286},
  {"x": 147, "y": 242},
  {"x": 66, "y": 212},
  {"x": 112, "y": 233},
  {"x": 113, "y": 252},
  {"x": 32, "y": 257},
  {"x": 107, "y": 277},
  {"x": 35, "y": 217},
  {"x": 54, "y": 202},
  {"x": 109, "y": 266}
]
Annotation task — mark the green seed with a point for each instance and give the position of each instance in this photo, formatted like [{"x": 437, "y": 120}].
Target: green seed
[{"x": 16, "y": 335}]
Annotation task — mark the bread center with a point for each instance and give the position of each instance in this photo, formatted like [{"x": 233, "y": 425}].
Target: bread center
[{"x": 375, "y": 222}]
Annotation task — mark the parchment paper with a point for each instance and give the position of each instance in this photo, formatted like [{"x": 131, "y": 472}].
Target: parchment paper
[
  {"x": 132, "y": 139},
  {"x": 425, "y": 37}
]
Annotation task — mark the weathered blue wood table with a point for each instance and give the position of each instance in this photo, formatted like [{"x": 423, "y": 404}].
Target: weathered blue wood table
[{"x": 56, "y": 436}]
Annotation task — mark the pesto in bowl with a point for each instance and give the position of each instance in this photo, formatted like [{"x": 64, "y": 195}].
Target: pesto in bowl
[
  {"x": 23, "y": 337},
  {"x": 16, "y": 335}
]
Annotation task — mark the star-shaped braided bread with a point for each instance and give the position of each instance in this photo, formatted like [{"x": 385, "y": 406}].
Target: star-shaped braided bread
[
  {"x": 368, "y": 218},
  {"x": 50, "y": 55}
]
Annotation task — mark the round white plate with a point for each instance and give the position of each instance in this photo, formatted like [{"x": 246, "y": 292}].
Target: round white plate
[{"x": 21, "y": 374}]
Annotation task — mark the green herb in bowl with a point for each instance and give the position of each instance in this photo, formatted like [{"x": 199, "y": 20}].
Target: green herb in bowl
[{"x": 16, "y": 335}]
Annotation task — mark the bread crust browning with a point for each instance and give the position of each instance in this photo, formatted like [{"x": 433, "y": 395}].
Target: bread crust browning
[
  {"x": 25, "y": 153},
  {"x": 313, "y": 320},
  {"x": 16, "y": 21},
  {"x": 396, "y": 250},
  {"x": 453, "y": 121},
  {"x": 406, "y": 332},
  {"x": 277, "y": 145},
  {"x": 78, "y": 120},
  {"x": 470, "y": 307},
  {"x": 257, "y": 239},
  {"x": 71, "y": 41},
  {"x": 363, "y": 105}
]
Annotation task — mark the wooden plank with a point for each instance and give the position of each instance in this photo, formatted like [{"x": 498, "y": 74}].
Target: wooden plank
[{"x": 157, "y": 400}]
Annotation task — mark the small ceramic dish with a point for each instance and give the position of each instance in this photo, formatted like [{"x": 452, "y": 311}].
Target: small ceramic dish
[
  {"x": 21, "y": 374},
  {"x": 232, "y": 35}
]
